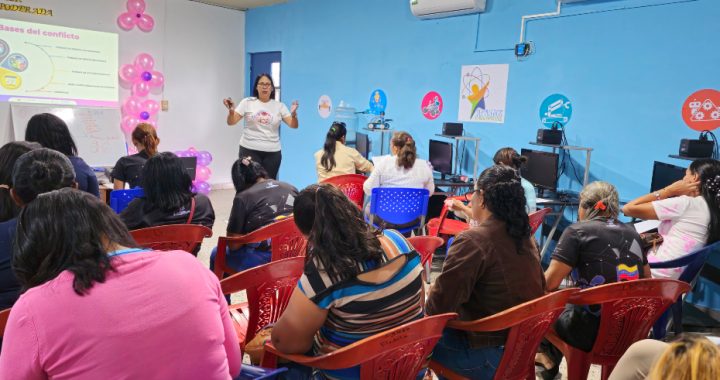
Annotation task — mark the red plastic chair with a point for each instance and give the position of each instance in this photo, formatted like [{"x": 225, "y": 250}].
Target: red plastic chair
[
  {"x": 286, "y": 241},
  {"x": 444, "y": 226},
  {"x": 4, "y": 315},
  {"x": 527, "y": 324},
  {"x": 268, "y": 288},
  {"x": 184, "y": 237},
  {"x": 351, "y": 185},
  {"x": 536, "y": 219},
  {"x": 426, "y": 246},
  {"x": 629, "y": 310},
  {"x": 398, "y": 353}
]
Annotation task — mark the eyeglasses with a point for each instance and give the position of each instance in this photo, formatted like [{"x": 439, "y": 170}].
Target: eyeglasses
[
  {"x": 469, "y": 195},
  {"x": 264, "y": 84}
]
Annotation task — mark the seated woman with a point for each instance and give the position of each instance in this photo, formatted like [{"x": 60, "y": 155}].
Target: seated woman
[
  {"x": 688, "y": 211},
  {"x": 9, "y": 153},
  {"x": 598, "y": 250},
  {"x": 51, "y": 132},
  {"x": 128, "y": 169},
  {"x": 490, "y": 267},
  {"x": 357, "y": 282},
  {"x": 337, "y": 159},
  {"x": 402, "y": 168},
  {"x": 691, "y": 357},
  {"x": 508, "y": 157},
  {"x": 35, "y": 172},
  {"x": 96, "y": 307},
  {"x": 168, "y": 198},
  {"x": 258, "y": 202}
]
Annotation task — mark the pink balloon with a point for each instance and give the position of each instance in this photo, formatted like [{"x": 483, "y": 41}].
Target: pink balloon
[
  {"x": 202, "y": 187},
  {"x": 157, "y": 79},
  {"x": 202, "y": 173},
  {"x": 151, "y": 106},
  {"x": 128, "y": 73},
  {"x": 145, "y": 23},
  {"x": 126, "y": 21},
  {"x": 133, "y": 106},
  {"x": 140, "y": 89},
  {"x": 129, "y": 123},
  {"x": 145, "y": 62},
  {"x": 136, "y": 6},
  {"x": 204, "y": 158}
]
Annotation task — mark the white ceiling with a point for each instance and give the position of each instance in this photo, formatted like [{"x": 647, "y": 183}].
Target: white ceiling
[{"x": 241, "y": 4}]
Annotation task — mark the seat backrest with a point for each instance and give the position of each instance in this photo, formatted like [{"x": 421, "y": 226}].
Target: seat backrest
[
  {"x": 4, "y": 315},
  {"x": 426, "y": 246},
  {"x": 536, "y": 219},
  {"x": 398, "y": 205},
  {"x": 693, "y": 262},
  {"x": 629, "y": 310},
  {"x": 184, "y": 237},
  {"x": 268, "y": 289},
  {"x": 285, "y": 241},
  {"x": 119, "y": 199},
  {"x": 527, "y": 323},
  {"x": 351, "y": 185},
  {"x": 443, "y": 215}
]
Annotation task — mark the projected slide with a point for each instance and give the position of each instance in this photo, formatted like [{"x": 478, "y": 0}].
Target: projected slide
[{"x": 53, "y": 64}]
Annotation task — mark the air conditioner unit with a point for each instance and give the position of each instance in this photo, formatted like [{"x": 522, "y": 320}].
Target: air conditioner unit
[{"x": 445, "y": 8}]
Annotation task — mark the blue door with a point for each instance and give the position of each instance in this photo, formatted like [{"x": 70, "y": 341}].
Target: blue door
[{"x": 265, "y": 63}]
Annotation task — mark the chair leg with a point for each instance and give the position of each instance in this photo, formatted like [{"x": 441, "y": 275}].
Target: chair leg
[
  {"x": 428, "y": 269},
  {"x": 578, "y": 363}
]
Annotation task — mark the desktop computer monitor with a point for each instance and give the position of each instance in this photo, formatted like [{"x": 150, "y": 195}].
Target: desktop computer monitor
[
  {"x": 541, "y": 168},
  {"x": 362, "y": 144},
  {"x": 665, "y": 174},
  {"x": 441, "y": 155}
]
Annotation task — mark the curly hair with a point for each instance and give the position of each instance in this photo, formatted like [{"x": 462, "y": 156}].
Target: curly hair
[
  {"x": 339, "y": 240},
  {"x": 596, "y": 192},
  {"x": 39, "y": 171},
  {"x": 503, "y": 195},
  {"x": 9, "y": 154},
  {"x": 708, "y": 172}
]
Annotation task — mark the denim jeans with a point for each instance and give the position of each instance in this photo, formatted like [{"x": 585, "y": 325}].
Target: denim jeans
[
  {"x": 454, "y": 352},
  {"x": 243, "y": 258}
]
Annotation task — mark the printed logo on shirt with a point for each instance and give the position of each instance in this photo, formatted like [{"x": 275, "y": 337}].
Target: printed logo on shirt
[
  {"x": 263, "y": 118},
  {"x": 627, "y": 273}
]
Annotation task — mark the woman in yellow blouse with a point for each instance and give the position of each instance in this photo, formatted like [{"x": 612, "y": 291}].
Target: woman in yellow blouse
[{"x": 336, "y": 159}]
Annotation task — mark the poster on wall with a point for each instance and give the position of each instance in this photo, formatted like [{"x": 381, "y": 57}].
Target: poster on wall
[
  {"x": 701, "y": 110},
  {"x": 378, "y": 102},
  {"x": 483, "y": 91},
  {"x": 555, "y": 109},
  {"x": 431, "y": 105},
  {"x": 324, "y": 106}
]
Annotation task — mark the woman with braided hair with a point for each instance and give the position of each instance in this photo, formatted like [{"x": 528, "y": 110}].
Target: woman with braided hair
[
  {"x": 688, "y": 211},
  {"x": 337, "y": 159},
  {"x": 598, "y": 250},
  {"x": 491, "y": 267}
]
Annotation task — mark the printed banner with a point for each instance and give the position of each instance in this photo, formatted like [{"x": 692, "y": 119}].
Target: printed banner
[
  {"x": 556, "y": 108},
  {"x": 483, "y": 91},
  {"x": 324, "y": 106}
]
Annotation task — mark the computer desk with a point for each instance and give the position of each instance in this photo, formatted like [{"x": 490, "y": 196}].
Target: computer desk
[
  {"x": 453, "y": 187},
  {"x": 553, "y": 202}
]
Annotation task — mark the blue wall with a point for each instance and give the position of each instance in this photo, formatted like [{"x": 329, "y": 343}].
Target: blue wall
[{"x": 627, "y": 66}]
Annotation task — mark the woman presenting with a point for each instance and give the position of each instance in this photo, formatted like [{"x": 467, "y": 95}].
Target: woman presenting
[{"x": 262, "y": 113}]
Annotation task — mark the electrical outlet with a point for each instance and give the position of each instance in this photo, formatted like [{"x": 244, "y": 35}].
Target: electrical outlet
[{"x": 164, "y": 105}]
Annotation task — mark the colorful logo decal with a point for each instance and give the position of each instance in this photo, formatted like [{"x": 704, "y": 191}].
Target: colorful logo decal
[
  {"x": 556, "y": 108},
  {"x": 432, "y": 105},
  {"x": 263, "y": 118},
  {"x": 627, "y": 273},
  {"x": 701, "y": 110},
  {"x": 483, "y": 91},
  {"x": 10, "y": 66},
  {"x": 324, "y": 106},
  {"x": 378, "y": 102}
]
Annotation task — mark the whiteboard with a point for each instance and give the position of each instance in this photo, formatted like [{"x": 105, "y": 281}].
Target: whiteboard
[{"x": 96, "y": 131}]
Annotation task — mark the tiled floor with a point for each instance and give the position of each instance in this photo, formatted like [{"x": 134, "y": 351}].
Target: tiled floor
[{"x": 222, "y": 203}]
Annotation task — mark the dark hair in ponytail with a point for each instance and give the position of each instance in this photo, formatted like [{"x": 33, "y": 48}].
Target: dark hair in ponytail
[
  {"x": 39, "y": 171},
  {"x": 509, "y": 157},
  {"x": 146, "y": 135},
  {"x": 407, "y": 154},
  {"x": 708, "y": 171},
  {"x": 246, "y": 172},
  {"x": 504, "y": 196},
  {"x": 336, "y": 133},
  {"x": 339, "y": 240},
  {"x": 9, "y": 153}
]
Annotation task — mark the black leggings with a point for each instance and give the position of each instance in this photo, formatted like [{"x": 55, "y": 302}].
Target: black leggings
[{"x": 269, "y": 160}]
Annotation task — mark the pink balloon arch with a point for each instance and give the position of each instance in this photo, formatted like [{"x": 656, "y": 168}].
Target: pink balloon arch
[
  {"x": 135, "y": 15},
  {"x": 141, "y": 75},
  {"x": 202, "y": 171}
]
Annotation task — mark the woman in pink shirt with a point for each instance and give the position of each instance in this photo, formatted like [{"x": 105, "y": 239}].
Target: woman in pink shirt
[{"x": 95, "y": 307}]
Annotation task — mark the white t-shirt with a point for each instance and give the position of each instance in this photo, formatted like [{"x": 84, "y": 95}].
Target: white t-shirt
[
  {"x": 262, "y": 123},
  {"x": 388, "y": 174},
  {"x": 684, "y": 227}
]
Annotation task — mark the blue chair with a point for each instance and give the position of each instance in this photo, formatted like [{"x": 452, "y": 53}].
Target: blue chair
[
  {"x": 693, "y": 263},
  {"x": 404, "y": 209},
  {"x": 250, "y": 372},
  {"x": 119, "y": 199}
]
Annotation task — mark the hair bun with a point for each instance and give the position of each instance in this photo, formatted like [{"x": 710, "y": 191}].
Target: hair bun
[{"x": 40, "y": 171}]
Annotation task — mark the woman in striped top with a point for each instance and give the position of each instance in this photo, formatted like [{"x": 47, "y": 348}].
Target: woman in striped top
[{"x": 357, "y": 282}]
